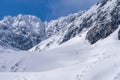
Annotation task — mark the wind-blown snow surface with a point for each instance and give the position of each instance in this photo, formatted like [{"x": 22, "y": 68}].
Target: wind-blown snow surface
[{"x": 73, "y": 60}]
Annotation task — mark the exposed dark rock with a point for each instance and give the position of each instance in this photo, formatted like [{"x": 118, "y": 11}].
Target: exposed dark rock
[
  {"x": 104, "y": 23},
  {"x": 104, "y": 26},
  {"x": 119, "y": 35},
  {"x": 21, "y": 32}
]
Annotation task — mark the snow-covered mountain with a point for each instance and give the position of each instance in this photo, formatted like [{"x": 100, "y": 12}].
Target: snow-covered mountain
[
  {"x": 80, "y": 46},
  {"x": 25, "y": 31},
  {"x": 73, "y": 60},
  {"x": 21, "y": 32},
  {"x": 98, "y": 22}
]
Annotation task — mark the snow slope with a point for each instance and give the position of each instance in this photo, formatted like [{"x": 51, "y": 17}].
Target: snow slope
[
  {"x": 73, "y": 60},
  {"x": 101, "y": 20}
]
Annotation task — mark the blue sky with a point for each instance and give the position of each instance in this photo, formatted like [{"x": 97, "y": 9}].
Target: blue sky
[{"x": 45, "y": 9}]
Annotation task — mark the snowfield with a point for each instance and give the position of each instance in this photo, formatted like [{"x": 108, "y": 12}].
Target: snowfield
[
  {"x": 75, "y": 59},
  {"x": 80, "y": 46}
]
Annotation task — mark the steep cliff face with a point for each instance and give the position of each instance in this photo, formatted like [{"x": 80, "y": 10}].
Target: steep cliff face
[
  {"x": 98, "y": 22},
  {"x": 21, "y": 32},
  {"x": 107, "y": 20},
  {"x": 102, "y": 18},
  {"x": 103, "y": 21}
]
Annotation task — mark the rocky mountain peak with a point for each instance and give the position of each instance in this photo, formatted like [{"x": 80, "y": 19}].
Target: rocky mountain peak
[{"x": 21, "y": 32}]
